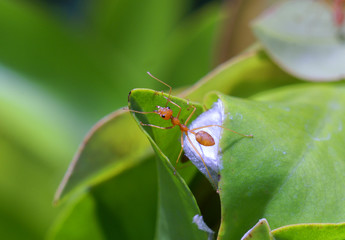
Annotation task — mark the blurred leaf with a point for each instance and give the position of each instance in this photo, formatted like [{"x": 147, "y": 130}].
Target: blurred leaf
[
  {"x": 261, "y": 231},
  {"x": 114, "y": 144},
  {"x": 281, "y": 174},
  {"x": 319, "y": 231},
  {"x": 303, "y": 40},
  {"x": 31, "y": 117},
  {"x": 90, "y": 64},
  {"x": 124, "y": 207},
  {"x": 189, "y": 50},
  {"x": 78, "y": 221},
  {"x": 152, "y": 20},
  {"x": 33, "y": 151},
  {"x": 242, "y": 76},
  {"x": 35, "y": 44}
]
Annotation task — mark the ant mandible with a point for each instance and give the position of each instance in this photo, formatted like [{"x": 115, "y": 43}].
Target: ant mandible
[{"x": 201, "y": 137}]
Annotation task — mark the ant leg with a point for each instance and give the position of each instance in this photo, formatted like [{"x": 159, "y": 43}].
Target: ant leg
[
  {"x": 250, "y": 136},
  {"x": 190, "y": 115},
  {"x": 179, "y": 153},
  {"x": 203, "y": 161},
  {"x": 151, "y": 125},
  {"x": 130, "y": 110}
]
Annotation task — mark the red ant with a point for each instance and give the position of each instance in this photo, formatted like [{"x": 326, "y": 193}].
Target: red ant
[{"x": 202, "y": 137}]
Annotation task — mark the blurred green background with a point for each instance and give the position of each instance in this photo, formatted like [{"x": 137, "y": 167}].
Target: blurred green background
[{"x": 66, "y": 64}]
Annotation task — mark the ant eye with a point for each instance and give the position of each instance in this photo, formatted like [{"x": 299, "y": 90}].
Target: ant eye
[
  {"x": 163, "y": 116},
  {"x": 168, "y": 107}
]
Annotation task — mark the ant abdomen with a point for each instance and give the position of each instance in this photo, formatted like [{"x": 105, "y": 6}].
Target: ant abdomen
[{"x": 204, "y": 138}]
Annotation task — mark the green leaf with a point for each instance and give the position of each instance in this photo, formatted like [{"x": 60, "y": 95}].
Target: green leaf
[
  {"x": 303, "y": 39},
  {"x": 261, "y": 231},
  {"x": 176, "y": 204},
  {"x": 34, "y": 150},
  {"x": 253, "y": 68},
  {"x": 123, "y": 207},
  {"x": 327, "y": 231},
  {"x": 66, "y": 64},
  {"x": 291, "y": 171},
  {"x": 146, "y": 100},
  {"x": 152, "y": 20},
  {"x": 104, "y": 45},
  {"x": 115, "y": 143},
  {"x": 78, "y": 221},
  {"x": 311, "y": 231},
  {"x": 186, "y": 47}
]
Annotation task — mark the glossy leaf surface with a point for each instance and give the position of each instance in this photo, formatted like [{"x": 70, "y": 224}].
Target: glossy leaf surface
[{"x": 294, "y": 160}]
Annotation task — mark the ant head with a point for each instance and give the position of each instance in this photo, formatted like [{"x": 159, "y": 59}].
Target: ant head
[{"x": 164, "y": 112}]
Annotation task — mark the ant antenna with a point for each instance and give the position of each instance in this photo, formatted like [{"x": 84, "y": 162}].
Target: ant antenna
[{"x": 164, "y": 84}]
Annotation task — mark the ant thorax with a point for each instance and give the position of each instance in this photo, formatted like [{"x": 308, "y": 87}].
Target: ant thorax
[{"x": 210, "y": 154}]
